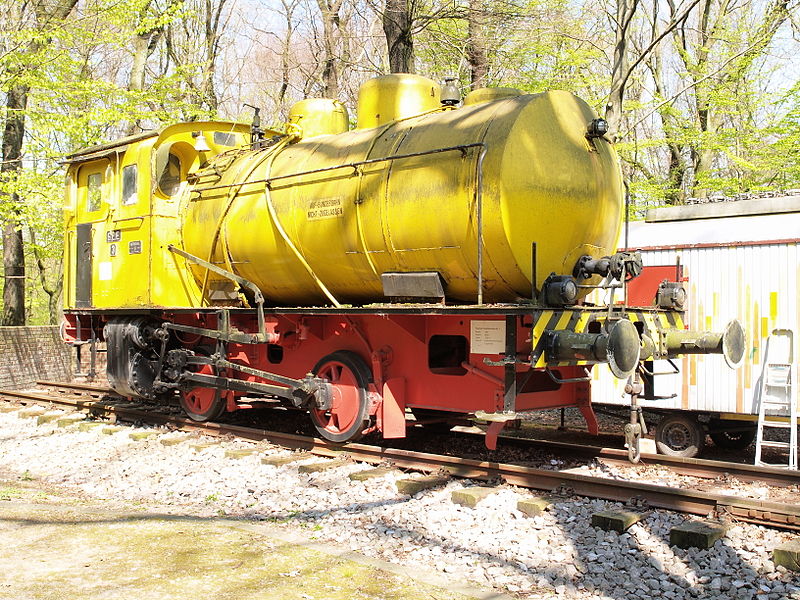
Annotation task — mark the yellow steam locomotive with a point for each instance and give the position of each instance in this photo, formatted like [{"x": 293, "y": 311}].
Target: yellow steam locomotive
[{"x": 436, "y": 259}]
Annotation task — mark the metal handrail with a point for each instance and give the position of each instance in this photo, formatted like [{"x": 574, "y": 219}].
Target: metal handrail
[
  {"x": 351, "y": 165},
  {"x": 356, "y": 166}
]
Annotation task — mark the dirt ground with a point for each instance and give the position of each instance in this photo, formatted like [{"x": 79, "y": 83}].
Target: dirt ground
[{"x": 55, "y": 545}]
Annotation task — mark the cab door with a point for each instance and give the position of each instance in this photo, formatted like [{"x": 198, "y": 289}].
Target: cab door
[
  {"x": 89, "y": 212},
  {"x": 83, "y": 266}
]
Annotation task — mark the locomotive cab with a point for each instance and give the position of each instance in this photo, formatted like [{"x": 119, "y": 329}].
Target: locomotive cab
[{"x": 121, "y": 207}]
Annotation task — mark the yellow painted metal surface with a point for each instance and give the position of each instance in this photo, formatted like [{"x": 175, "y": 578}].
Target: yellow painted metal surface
[
  {"x": 744, "y": 417},
  {"x": 339, "y": 229},
  {"x": 384, "y": 99},
  {"x": 341, "y": 209},
  {"x": 319, "y": 116},
  {"x": 490, "y": 95},
  {"x": 134, "y": 215}
]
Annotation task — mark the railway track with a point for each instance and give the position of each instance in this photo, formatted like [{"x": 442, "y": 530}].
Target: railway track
[
  {"x": 706, "y": 469},
  {"x": 100, "y": 401}
]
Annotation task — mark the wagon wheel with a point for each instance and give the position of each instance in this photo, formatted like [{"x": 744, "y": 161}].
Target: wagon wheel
[
  {"x": 202, "y": 403},
  {"x": 348, "y": 416},
  {"x": 679, "y": 435}
]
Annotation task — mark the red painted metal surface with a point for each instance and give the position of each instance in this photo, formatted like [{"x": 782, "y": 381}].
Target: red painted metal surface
[
  {"x": 642, "y": 290},
  {"x": 393, "y": 418},
  {"x": 429, "y": 353}
]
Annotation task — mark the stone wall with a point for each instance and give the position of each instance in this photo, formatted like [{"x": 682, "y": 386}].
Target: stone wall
[{"x": 28, "y": 354}]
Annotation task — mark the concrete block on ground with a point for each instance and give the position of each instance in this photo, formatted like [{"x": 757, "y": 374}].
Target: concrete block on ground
[
  {"x": 697, "y": 534},
  {"x": 284, "y": 459},
  {"x": 90, "y": 425},
  {"x": 418, "y": 484},
  {"x": 371, "y": 473},
  {"x": 30, "y": 412},
  {"x": 137, "y": 436},
  {"x": 200, "y": 446},
  {"x": 615, "y": 520},
  {"x": 172, "y": 440},
  {"x": 338, "y": 452},
  {"x": 69, "y": 420},
  {"x": 111, "y": 430},
  {"x": 322, "y": 466},
  {"x": 470, "y": 496},
  {"x": 533, "y": 506},
  {"x": 237, "y": 453},
  {"x": 788, "y": 555},
  {"x": 49, "y": 417}
]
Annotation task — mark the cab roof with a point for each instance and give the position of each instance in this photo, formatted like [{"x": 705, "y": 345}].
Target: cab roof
[{"x": 121, "y": 145}]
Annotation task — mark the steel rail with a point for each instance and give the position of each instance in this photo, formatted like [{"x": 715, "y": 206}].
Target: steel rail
[
  {"x": 78, "y": 387},
  {"x": 693, "y": 467},
  {"x": 773, "y": 514}
]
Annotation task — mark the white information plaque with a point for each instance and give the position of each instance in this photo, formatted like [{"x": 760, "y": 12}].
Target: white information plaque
[
  {"x": 487, "y": 337},
  {"x": 104, "y": 271}
]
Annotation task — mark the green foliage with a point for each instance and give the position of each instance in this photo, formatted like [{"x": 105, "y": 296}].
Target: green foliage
[
  {"x": 534, "y": 45},
  {"x": 76, "y": 76}
]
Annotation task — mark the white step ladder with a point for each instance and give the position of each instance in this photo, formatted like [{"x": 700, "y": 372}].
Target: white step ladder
[{"x": 777, "y": 399}]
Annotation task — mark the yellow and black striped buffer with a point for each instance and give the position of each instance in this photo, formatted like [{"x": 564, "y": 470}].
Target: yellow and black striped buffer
[{"x": 581, "y": 320}]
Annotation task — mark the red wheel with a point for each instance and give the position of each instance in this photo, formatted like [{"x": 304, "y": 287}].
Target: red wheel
[
  {"x": 200, "y": 403},
  {"x": 349, "y": 413}
]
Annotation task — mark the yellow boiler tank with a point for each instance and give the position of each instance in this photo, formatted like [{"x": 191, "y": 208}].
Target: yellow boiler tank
[{"x": 338, "y": 211}]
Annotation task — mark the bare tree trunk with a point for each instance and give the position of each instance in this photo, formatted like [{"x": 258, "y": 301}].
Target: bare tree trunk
[
  {"x": 621, "y": 68},
  {"x": 330, "y": 34},
  {"x": 288, "y": 8},
  {"x": 212, "y": 17},
  {"x": 13, "y": 137},
  {"x": 710, "y": 122},
  {"x": 677, "y": 168},
  {"x": 140, "y": 45},
  {"x": 13, "y": 248},
  {"x": 476, "y": 45},
  {"x": 143, "y": 43},
  {"x": 53, "y": 291},
  {"x": 397, "y": 27}
]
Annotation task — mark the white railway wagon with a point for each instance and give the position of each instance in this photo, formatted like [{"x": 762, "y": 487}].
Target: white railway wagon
[{"x": 738, "y": 260}]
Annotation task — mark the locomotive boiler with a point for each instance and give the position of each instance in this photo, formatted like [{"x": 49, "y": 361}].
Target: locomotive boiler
[
  {"x": 413, "y": 195},
  {"x": 437, "y": 260}
]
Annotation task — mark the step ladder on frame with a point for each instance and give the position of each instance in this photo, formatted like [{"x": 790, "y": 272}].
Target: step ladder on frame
[{"x": 777, "y": 399}]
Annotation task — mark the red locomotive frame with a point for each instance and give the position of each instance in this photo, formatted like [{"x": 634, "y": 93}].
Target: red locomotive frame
[{"x": 378, "y": 363}]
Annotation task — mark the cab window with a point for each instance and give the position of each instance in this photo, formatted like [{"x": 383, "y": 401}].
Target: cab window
[
  {"x": 170, "y": 180},
  {"x": 129, "y": 188},
  {"x": 94, "y": 186}
]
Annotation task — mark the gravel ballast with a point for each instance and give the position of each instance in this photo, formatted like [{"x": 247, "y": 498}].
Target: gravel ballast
[{"x": 556, "y": 553}]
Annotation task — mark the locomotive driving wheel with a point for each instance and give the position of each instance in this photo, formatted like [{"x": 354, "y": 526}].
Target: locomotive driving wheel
[
  {"x": 201, "y": 403},
  {"x": 348, "y": 415}
]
